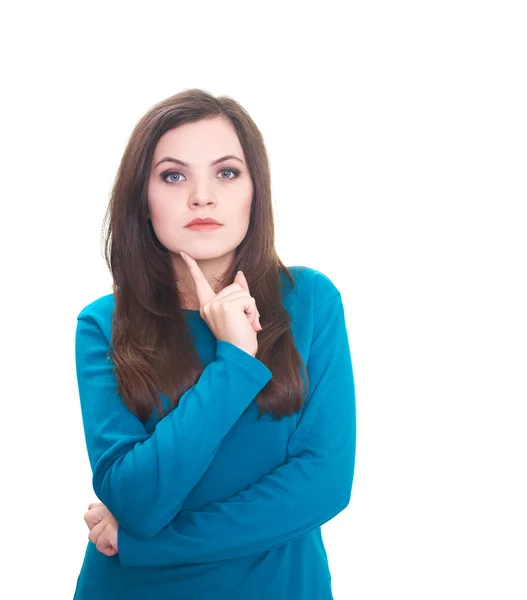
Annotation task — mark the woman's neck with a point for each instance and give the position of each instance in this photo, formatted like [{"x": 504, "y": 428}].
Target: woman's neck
[{"x": 212, "y": 269}]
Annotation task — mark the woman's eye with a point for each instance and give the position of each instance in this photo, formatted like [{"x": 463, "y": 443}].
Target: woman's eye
[
  {"x": 233, "y": 171},
  {"x": 166, "y": 175}
]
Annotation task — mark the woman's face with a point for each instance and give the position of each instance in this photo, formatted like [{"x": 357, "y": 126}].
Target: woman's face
[{"x": 203, "y": 188}]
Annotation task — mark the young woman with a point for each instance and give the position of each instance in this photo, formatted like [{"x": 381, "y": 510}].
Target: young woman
[{"x": 215, "y": 383}]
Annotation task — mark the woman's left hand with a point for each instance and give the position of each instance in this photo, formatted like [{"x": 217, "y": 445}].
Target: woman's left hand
[{"x": 103, "y": 528}]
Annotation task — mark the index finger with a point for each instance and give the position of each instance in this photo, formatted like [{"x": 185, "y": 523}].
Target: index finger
[{"x": 203, "y": 289}]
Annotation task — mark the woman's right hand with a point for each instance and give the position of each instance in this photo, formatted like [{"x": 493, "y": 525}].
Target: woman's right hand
[{"x": 230, "y": 312}]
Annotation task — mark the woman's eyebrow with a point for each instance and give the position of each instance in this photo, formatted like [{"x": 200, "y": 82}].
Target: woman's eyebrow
[{"x": 184, "y": 164}]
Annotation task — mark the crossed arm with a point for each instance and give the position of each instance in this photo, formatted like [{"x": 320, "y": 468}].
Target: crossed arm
[{"x": 310, "y": 488}]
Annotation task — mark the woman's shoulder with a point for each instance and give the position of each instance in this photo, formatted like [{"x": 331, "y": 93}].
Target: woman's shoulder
[
  {"x": 101, "y": 306},
  {"x": 100, "y": 311},
  {"x": 313, "y": 286}
]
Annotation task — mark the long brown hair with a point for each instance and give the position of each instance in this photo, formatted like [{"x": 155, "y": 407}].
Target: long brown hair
[{"x": 151, "y": 344}]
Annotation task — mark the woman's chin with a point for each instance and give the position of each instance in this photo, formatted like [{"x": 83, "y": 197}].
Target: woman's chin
[{"x": 200, "y": 253}]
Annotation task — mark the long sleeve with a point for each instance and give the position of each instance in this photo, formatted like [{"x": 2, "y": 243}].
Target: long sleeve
[
  {"x": 143, "y": 478},
  {"x": 309, "y": 489}
]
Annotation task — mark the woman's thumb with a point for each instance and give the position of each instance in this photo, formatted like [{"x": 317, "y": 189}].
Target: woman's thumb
[{"x": 240, "y": 278}]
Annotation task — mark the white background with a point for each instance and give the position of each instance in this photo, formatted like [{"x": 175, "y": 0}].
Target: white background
[{"x": 397, "y": 134}]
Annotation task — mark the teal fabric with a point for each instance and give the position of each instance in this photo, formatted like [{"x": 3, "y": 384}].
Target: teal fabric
[{"x": 212, "y": 502}]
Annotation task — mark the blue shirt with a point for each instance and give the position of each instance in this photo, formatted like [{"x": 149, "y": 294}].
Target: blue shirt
[{"x": 213, "y": 504}]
